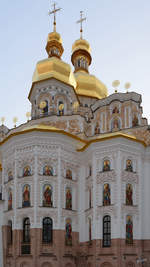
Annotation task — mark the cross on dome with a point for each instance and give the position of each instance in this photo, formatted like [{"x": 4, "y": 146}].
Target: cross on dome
[
  {"x": 54, "y": 11},
  {"x": 81, "y": 22}
]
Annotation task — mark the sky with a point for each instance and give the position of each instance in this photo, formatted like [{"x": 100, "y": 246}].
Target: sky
[{"x": 117, "y": 30}]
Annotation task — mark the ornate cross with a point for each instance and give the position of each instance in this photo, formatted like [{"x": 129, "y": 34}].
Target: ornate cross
[
  {"x": 54, "y": 11},
  {"x": 81, "y": 22}
]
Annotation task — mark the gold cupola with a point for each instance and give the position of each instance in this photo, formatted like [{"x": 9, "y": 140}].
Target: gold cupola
[
  {"x": 53, "y": 66},
  {"x": 87, "y": 85}
]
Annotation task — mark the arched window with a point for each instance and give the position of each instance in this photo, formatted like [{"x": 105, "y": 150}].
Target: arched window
[
  {"x": 48, "y": 170},
  {"x": 10, "y": 233},
  {"x": 90, "y": 230},
  {"x": 115, "y": 124},
  {"x": 135, "y": 121},
  {"x": 129, "y": 167},
  {"x": 129, "y": 193},
  {"x": 26, "y": 196},
  {"x": 68, "y": 199},
  {"x": 68, "y": 237},
  {"x": 10, "y": 199},
  {"x": 106, "y": 195},
  {"x": 106, "y": 165},
  {"x": 107, "y": 231},
  {"x": 47, "y": 196},
  {"x": 61, "y": 108},
  {"x": 26, "y": 171},
  {"x": 69, "y": 174},
  {"x": 45, "y": 109},
  {"x": 90, "y": 198},
  {"x": 26, "y": 230},
  {"x": 47, "y": 235},
  {"x": 129, "y": 230}
]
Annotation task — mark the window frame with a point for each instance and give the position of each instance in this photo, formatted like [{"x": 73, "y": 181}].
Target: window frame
[{"x": 107, "y": 231}]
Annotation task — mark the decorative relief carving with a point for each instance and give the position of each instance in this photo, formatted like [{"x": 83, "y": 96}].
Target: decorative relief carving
[
  {"x": 132, "y": 210},
  {"x": 130, "y": 177},
  {"x": 106, "y": 210},
  {"x": 109, "y": 176}
]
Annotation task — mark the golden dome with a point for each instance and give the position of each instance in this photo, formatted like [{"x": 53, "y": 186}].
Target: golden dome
[
  {"x": 54, "y": 46},
  {"x": 81, "y": 44},
  {"x": 54, "y": 68},
  {"x": 54, "y": 36},
  {"x": 88, "y": 85}
]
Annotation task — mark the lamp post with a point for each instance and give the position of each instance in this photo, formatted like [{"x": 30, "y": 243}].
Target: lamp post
[{"x": 141, "y": 260}]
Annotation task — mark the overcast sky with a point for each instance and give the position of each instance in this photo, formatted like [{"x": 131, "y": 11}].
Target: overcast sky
[{"x": 117, "y": 30}]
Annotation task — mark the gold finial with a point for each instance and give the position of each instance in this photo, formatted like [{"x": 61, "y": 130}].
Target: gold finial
[
  {"x": 2, "y": 120},
  {"x": 81, "y": 22},
  {"x": 115, "y": 84},
  {"x": 28, "y": 115},
  {"x": 15, "y": 119},
  {"x": 54, "y": 11},
  {"x": 127, "y": 86}
]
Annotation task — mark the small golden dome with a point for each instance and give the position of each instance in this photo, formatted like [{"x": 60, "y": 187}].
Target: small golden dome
[
  {"x": 54, "y": 36},
  {"x": 81, "y": 44},
  {"x": 88, "y": 85},
  {"x": 54, "y": 46}
]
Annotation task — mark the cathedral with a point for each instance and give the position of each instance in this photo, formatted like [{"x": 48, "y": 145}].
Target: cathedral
[{"x": 75, "y": 178}]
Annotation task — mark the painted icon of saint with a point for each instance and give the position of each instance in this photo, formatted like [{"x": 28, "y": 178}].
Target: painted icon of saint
[
  {"x": 135, "y": 121},
  {"x": 106, "y": 195},
  {"x": 106, "y": 165},
  {"x": 10, "y": 175},
  {"x": 48, "y": 171},
  {"x": 129, "y": 230},
  {"x": 69, "y": 174},
  {"x": 129, "y": 167},
  {"x": 26, "y": 196},
  {"x": 47, "y": 196},
  {"x": 68, "y": 199},
  {"x": 97, "y": 128},
  {"x": 26, "y": 171},
  {"x": 68, "y": 237},
  {"x": 129, "y": 193}
]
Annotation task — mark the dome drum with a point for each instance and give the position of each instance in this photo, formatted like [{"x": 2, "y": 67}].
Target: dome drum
[{"x": 81, "y": 60}]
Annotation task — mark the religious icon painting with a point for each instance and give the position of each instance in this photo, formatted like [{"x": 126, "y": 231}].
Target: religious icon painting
[
  {"x": 129, "y": 167},
  {"x": 10, "y": 199},
  {"x": 129, "y": 193},
  {"x": 68, "y": 235},
  {"x": 115, "y": 124},
  {"x": 129, "y": 230},
  {"x": 97, "y": 128},
  {"x": 26, "y": 196},
  {"x": 10, "y": 175},
  {"x": 47, "y": 196},
  {"x": 69, "y": 174},
  {"x": 106, "y": 165},
  {"x": 26, "y": 171},
  {"x": 68, "y": 199},
  {"x": 115, "y": 110},
  {"x": 106, "y": 195},
  {"x": 135, "y": 121},
  {"x": 48, "y": 171}
]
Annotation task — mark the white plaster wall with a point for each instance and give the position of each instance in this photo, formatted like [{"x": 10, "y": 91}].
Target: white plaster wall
[{"x": 1, "y": 248}]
